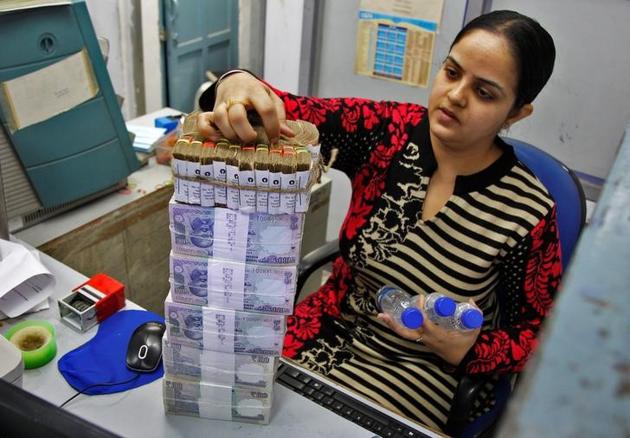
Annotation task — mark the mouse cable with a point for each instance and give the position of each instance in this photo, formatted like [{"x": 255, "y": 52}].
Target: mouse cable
[{"x": 98, "y": 384}]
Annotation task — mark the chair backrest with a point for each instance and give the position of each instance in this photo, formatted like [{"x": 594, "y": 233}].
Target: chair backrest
[{"x": 565, "y": 189}]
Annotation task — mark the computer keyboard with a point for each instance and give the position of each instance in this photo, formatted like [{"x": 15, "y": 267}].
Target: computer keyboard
[{"x": 342, "y": 404}]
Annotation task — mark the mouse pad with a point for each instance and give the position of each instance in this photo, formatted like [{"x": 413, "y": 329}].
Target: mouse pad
[{"x": 102, "y": 358}]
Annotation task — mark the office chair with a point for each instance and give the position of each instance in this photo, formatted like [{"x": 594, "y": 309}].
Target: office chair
[{"x": 566, "y": 190}]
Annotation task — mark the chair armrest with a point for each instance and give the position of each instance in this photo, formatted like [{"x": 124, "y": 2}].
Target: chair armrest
[
  {"x": 315, "y": 260},
  {"x": 467, "y": 391}
]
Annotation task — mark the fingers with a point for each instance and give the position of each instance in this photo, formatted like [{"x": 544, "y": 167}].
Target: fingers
[
  {"x": 385, "y": 318},
  {"x": 271, "y": 111},
  {"x": 285, "y": 130},
  {"x": 222, "y": 121},
  {"x": 403, "y": 332},
  {"x": 207, "y": 127},
  {"x": 231, "y": 117},
  {"x": 237, "y": 115}
]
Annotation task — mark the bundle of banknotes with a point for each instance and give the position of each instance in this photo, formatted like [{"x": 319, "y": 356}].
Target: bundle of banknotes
[
  {"x": 236, "y": 223},
  {"x": 235, "y": 236},
  {"x": 205, "y": 400},
  {"x": 227, "y": 369},
  {"x": 269, "y": 178},
  {"x": 224, "y": 330},
  {"x": 232, "y": 285}
]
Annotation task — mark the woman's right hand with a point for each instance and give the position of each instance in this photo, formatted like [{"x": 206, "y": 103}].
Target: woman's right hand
[{"x": 235, "y": 95}]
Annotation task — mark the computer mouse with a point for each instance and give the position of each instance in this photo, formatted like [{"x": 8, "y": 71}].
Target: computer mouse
[{"x": 144, "y": 351}]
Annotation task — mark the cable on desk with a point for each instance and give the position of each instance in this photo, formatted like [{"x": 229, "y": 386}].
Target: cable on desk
[{"x": 98, "y": 384}]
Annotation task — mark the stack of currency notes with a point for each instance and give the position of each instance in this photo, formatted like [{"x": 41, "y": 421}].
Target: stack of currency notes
[
  {"x": 233, "y": 271},
  {"x": 232, "y": 285},
  {"x": 227, "y": 369},
  {"x": 231, "y": 235},
  {"x": 257, "y": 177},
  {"x": 206, "y": 400}
]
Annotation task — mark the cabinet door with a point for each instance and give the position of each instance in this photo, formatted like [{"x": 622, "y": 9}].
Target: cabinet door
[{"x": 199, "y": 35}]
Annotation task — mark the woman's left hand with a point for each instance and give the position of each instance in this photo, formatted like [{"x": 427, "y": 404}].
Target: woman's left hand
[{"x": 450, "y": 345}]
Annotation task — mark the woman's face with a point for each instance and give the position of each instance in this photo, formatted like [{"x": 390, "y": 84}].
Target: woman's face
[{"x": 474, "y": 92}]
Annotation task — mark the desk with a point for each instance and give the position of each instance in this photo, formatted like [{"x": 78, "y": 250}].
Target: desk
[{"x": 140, "y": 413}]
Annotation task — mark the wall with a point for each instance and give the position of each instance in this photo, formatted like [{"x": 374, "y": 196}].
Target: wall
[
  {"x": 283, "y": 42},
  {"x": 116, "y": 20},
  {"x": 581, "y": 116}
]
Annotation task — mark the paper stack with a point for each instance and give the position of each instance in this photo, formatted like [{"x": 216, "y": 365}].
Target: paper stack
[{"x": 233, "y": 268}]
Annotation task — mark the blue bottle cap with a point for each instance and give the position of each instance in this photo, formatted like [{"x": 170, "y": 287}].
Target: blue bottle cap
[
  {"x": 444, "y": 306},
  {"x": 412, "y": 318},
  {"x": 472, "y": 319}
]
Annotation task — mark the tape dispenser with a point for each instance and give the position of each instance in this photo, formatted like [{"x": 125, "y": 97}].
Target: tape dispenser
[{"x": 92, "y": 302}]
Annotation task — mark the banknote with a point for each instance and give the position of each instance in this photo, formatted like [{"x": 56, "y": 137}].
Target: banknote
[
  {"x": 246, "y": 363},
  {"x": 183, "y": 389},
  {"x": 246, "y": 414},
  {"x": 224, "y": 330},
  {"x": 247, "y": 402},
  {"x": 249, "y": 302},
  {"x": 211, "y": 319},
  {"x": 218, "y": 376},
  {"x": 221, "y": 223},
  {"x": 203, "y": 275},
  {"x": 227, "y": 341},
  {"x": 250, "y": 252},
  {"x": 219, "y": 368}
]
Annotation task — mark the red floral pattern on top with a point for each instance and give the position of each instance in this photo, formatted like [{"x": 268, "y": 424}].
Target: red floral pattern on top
[
  {"x": 306, "y": 322},
  {"x": 507, "y": 350}
]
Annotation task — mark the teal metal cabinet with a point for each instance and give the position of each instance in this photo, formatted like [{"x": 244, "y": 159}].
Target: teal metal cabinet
[{"x": 84, "y": 149}]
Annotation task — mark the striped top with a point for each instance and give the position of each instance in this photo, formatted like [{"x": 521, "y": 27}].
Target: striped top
[{"x": 495, "y": 240}]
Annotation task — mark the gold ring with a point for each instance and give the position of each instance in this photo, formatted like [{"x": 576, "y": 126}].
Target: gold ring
[{"x": 231, "y": 102}]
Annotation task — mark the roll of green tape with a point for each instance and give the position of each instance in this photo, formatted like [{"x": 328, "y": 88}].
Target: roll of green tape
[{"x": 36, "y": 340}]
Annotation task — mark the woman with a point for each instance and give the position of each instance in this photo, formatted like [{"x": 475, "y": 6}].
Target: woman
[{"x": 439, "y": 203}]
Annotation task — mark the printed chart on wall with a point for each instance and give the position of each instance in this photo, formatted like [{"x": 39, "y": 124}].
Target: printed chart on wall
[{"x": 395, "y": 39}]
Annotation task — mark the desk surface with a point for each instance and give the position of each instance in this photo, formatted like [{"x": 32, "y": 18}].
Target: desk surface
[{"x": 139, "y": 412}]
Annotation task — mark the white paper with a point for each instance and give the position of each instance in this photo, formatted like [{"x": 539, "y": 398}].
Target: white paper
[
  {"x": 218, "y": 332},
  {"x": 248, "y": 197},
  {"x": 226, "y": 276},
  {"x": 207, "y": 189},
  {"x": 52, "y": 90},
  {"x": 287, "y": 200},
  {"x": 220, "y": 405},
  {"x": 230, "y": 232},
  {"x": 232, "y": 192},
  {"x": 275, "y": 182},
  {"x": 24, "y": 282},
  {"x": 41, "y": 306},
  {"x": 262, "y": 180},
  {"x": 145, "y": 136}
]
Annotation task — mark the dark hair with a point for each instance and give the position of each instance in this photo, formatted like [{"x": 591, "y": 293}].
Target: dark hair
[{"x": 531, "y": 46}]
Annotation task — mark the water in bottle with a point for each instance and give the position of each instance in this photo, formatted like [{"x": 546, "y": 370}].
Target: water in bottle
[
  {"x": 466, "y": 317},
  {"x": 401, "y": 306},
  {"x": 439, "y": 308}
]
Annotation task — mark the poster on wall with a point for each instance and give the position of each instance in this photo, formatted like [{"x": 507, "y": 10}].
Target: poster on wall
[{"x": 395, "y": 39}]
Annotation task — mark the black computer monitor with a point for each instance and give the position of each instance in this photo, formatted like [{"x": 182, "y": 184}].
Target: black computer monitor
[{"x": 24, "y": 414}]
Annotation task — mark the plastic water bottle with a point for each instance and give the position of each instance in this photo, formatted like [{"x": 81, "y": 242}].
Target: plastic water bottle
[
  {"x": 439, "y": 308},
  {"x": 466, "y": 317},
  {"x": 401, "y": 306}
]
